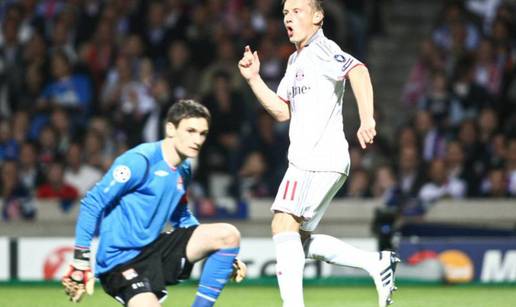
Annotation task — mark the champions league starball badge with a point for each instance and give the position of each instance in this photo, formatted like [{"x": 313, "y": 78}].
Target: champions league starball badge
[{"x": 122, "y": 173}]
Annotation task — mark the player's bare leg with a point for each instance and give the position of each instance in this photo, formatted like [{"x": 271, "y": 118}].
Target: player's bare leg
[
  {"x": 146, "y": 299},
  {"x": 290, "y": 258},
  {"x": 207, "y": 238}
]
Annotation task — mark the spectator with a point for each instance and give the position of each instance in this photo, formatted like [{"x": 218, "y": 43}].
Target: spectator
[
  {"x": 224, "y": 62},
  {"x": 473, "y": 149},
  {"x": 409, "y": 173},
  {"x": 69, "y": 91},
  {"x": 253, "y": 173},
  {"x": 28, "y": 168},
  {"x": 271, "y": 65},
  {"x": 510, "y": 166},
  {"x": 496, "y": 151},
  {"x": 438, "y": 100},
  {"x": 11, "y": 69},
  {"x": 181, "y": 75},
  {"x": 155, "y": 33},
  {"x": 430, "y": 137},
  {"x": 470, "y": 97},
  {"x": 61, "y": 123},
  {"x": 48, "y": 150},
  {"x": 33, "y": 86},
  {"x": 440, "y": 185},
  {"x": 227, "y": 112},
  {"x": 56, "y": 188},
  {"x": 129, "y": 99},
  {"x": 262, "y": 157},
  {"x": 430, "y": 59},
  {"x": 99, "y": 53},
  {"x": 495, "y": 184},
  {"x": 359, "y": 185},
  {"x": 8, "y": 146},
  {"x": 62, "y": 40},
  {"x": 16, "y": 199},
  {"x": 77, "y": 173},
  {"x": 93, "y": 149},
  {"x": 457, "y": 170},
  {"x": 384, "y": 182},
  {"x": 488, "y": 72},
  {"x": 454, "y": 18},
  {"x": 488, "y": 125}
]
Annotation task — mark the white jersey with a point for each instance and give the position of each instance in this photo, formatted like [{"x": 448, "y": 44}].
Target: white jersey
[{"x": 314, "y": 86}]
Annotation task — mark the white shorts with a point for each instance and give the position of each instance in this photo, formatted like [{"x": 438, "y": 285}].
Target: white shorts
[{"x": 307, "y": 194}]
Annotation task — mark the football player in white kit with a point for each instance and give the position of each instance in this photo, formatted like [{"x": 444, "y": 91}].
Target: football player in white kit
[{"x": 310, "y": 96}]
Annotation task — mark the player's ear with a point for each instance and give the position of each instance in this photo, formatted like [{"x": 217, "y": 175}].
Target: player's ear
[
  {"x": 170, "y": 129},
  {"x": 318, "y": 17}
]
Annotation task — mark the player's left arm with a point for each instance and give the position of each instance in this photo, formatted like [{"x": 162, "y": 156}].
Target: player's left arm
[{"x": 363, "y": 91}]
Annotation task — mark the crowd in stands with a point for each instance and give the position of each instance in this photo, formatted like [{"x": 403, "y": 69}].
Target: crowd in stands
[
  {"x": 81, "y": 81},
  {"x": 461, "y": 138}
]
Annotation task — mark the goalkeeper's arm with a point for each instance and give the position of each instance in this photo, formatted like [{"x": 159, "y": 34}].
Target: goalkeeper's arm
[{"x": 79, "y": 279}]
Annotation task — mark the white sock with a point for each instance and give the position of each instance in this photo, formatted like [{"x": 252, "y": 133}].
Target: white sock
[
  {"x": 335, "y": 251},
  {"x": 290, "y": 265}
]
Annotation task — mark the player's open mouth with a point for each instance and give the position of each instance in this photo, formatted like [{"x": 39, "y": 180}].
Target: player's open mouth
[{"x": 290, "y": 31}]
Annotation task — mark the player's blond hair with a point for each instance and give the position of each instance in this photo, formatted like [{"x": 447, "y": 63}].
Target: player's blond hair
[{"x": 317, "y": 5}]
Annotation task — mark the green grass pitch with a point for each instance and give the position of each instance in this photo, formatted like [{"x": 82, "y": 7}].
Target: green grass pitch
[{"x": 268, "y": 296}]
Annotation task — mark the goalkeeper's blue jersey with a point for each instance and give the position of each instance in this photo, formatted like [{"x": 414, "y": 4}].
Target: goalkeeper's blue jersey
[{"x": 131, "y": 205}]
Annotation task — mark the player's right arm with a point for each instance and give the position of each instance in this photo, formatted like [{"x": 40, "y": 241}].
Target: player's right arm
[
  {"x": 125, "y": 174},
  {"x": 249, "y": 67}
]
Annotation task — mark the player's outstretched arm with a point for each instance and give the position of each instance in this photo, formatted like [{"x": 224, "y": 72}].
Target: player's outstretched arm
[
  {"x": 79, "y": 279},
  {"x": 363, "y": 91},
  {"x": 249, "y": 67}
]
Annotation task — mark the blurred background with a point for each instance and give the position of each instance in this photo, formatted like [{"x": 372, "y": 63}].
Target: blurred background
[{"x": 81, "y": 81}]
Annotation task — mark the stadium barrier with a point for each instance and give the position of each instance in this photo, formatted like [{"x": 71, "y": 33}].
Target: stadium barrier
[
  {"x": 39, "y": 250},
  {"x": 438, "y": 260}
]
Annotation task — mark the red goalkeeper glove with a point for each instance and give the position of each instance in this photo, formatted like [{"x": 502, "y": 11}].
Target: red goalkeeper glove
[{"x": 79, "y": 279}]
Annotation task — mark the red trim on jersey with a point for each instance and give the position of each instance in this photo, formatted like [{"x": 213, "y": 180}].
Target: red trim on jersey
[
  {"x": 357, "y": 64},
  {"x": 184, "y": 199},
  {"x": 293, "y": 191},
  {"x": 286, "y": 189},
  {"x": 285, "y": 101}
]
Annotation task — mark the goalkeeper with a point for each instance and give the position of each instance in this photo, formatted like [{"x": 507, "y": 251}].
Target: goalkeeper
[{"x": 144, "y": 188}]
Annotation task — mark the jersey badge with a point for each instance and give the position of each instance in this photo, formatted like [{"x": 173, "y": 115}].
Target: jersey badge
[
  {"x": 300, "y": 75},
  {"x": 122, "y": 173},
  {"x": 129, "y": 274},
  {"x": 339, "y": 58}
]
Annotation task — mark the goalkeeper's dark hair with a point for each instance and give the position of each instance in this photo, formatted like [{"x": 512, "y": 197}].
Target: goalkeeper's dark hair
[{"x": 187, "y": 108}]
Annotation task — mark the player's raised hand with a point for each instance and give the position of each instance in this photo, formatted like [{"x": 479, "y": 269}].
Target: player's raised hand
[
  {"x": 366, "y": 132},
  {"x": 249, "y": 65},
  {"x": 79, "y": 279}
]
